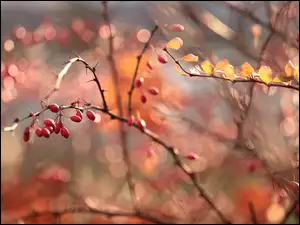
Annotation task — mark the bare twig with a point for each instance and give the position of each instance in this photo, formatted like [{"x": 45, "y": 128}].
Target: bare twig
[
  {"x": 86, "y": 209},
  {"x": 253, "y": 213},
  {"x": 139, "y": 58},
  {"x": 120, "y": 107}
]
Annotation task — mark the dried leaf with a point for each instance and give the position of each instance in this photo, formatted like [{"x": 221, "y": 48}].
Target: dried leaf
[
  {"x": 179, "y": 70},
  {"x": 190, "y": 58},
  {"x": 296, "y": 75},
  {"x": 246, "y": 70},
  {"x": 207, "y": 67},
  {"x": 289, "y": 70},
  {"x": 175, "y": 43},
  {"x": 265, "y": 74}
]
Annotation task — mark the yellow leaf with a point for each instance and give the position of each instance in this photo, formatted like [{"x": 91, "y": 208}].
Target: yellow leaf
[
  {"x": 222, "y": 65},
  {"x": 265, "y": 74},
  {"x": 283, "y": 78},
  {"x": 289, "y": 70},
  {"x": 179, "y": 70},
  {"x": 246, "y": 70},
  {"x": 190, "y": 58},
  {"x": 175, "y": 43},
  {"x": 277, "y": 79},
  {"x": 229, "y": 72},
  {"x": 207, "y": 67}
]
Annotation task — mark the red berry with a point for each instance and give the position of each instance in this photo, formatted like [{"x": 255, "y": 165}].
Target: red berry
[
  {"x": 54, "y": 108},
  {"x": 139, "y": 82},
  {"x": 252, "y": 166},
  {"x": 297, "y": 210},
  {"x": 79, "y": 113},
  {"x": 192, "y": 156},
  {"x": 26, "y": 134},
  {"x": 76, "y": 119},
  {"x": 38, "y": 132},
  {"x": 51, "y": 129},
  {"x": 49, "y": 123},
  {"x": 141, "y": 124},
  {"x": 90, "y": 114},
  {"x": 64, "y": 132},
  {"x": 297, "y": 37},
  {"x": 149, "y": 65},
  {"x": 162, "y": 59},
  {"x": 131, "y": 120},
  {"x": 31, "y": 114},
  {"x": 46, "y": 132},
  {"x": 294, "y": 186},
  {"x": 153, "y": 91},
  {"x": 176, "y": 27},
  {"x": 58, "y": 126},
  {"x": 143, "y": 99}
]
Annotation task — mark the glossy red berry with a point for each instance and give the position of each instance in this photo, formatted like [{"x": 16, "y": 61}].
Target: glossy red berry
[
  {"x": 143, "y": 99},
  {"x": 192, "y": 156},
  {"x": 139, "y": 82},
  {"x": 76, "y": 119},
  {"x": 64, "y": 132},
  {"x": 26, "y": 134},
  {"x": 153, "y": 91},
  {"x": 54, "y": 108},
  {"x": 51, "y": 129},
  {"x": 49, "y": 123},
  {"x": 162, "y": 59},
  {"x": 46, "y": 132},
  {"x": 90, "y": 114},
  {"x": 38, "y": 132},
  {"x": 141, "y": 124},
  {"x": 79, "y": 113},
  {"x": 58, "y": 126}
]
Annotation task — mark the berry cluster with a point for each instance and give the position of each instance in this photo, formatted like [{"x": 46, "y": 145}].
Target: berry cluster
[{"x": 51, "y": 126}]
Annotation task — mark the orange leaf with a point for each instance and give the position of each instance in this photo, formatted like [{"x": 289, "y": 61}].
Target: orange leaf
[
  {"x": 179, "y": 70},
  {"x": 221, "y": 65},
  {"x": 247, "y": 70},
  {"x": 190, "y": 58},
  {"x": 175, "y": 43}
]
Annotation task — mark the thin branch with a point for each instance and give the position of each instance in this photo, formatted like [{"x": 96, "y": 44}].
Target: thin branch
[
  {"x": 86, "y": 209},
  {"x": 139, "y": 58},
  {"x": 260, "y": 22},
  {"x": 253, "y": 213},
  {"x": 120, "y": 107},
  {"x": 290, "y": 211},
  {"x": 237, "y": 80}
]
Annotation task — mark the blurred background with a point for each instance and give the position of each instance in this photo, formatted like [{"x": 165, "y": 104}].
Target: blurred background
[{"x": 203, "y": 116}]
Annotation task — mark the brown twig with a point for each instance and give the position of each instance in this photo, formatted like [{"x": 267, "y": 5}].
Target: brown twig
[
  {"x": 139, "y": 58},
  {"x": 87, "y": 209},
  {"x": 253, "y": 213},
  {"x": 120, "y": 108}
]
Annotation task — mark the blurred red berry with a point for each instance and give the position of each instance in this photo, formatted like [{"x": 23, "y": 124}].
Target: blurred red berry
[
  {"x": 153, "y": 91},
  {"x": 90, "y": 114},
  {"x": 252, "y": 166},
  {"x": 294, "y": 186},
  {"x": 131, "y": 120},
  {"x": 297, "y": 37},
  {"x": 54, "y": 108},
  {"x": 192, "y": 156},
  {"x": 176, "y": 27},
  {"x": 51, "y": 129},
  {"x": 297, "y": 210},
  {"x": 149, "y": 65},
  {"x": 143, "y": 99},
  {"x": 162, "y": 59},
  {"x": 26, "y": 134},
  {"x": 64, "y": 132},
  {"x": 139, "y": 82},
  {"x": 141, "y": 124},
  {"x": 76, "y": 119}
]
